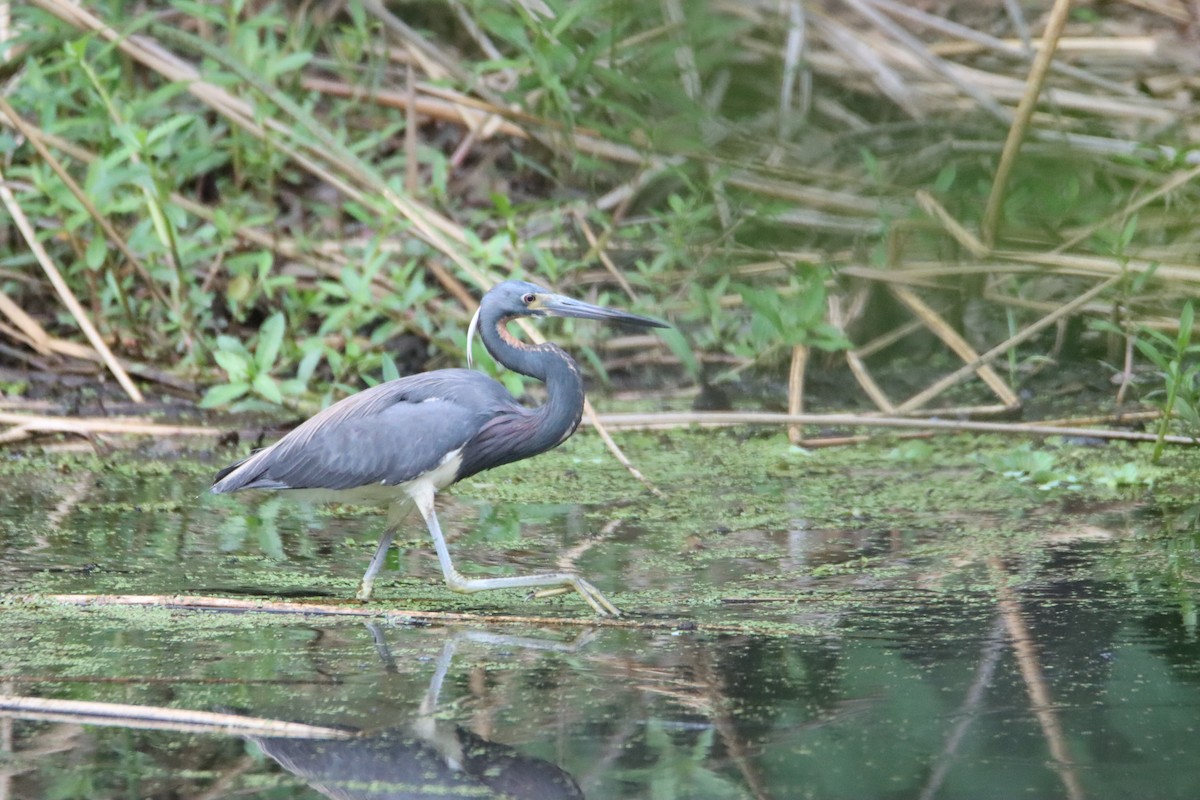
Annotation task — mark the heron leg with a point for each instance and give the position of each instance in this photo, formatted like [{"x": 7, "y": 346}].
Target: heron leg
[
  {"x": 457, "y": 582},
  {"x": 396, "y": 514},
  {"x": 368, "y": 580}
]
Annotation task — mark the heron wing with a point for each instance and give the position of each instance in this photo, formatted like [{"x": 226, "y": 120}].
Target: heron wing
[{"x": 389, "y": 434}]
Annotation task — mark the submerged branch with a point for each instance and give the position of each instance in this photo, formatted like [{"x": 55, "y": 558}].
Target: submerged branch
[{"x": 393, "y": 616}]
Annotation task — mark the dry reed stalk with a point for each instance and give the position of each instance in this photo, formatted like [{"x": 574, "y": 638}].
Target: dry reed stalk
[
  {"x": 1097, "y": 309},
  {"x": 960, "y": 234},
  {"x": 88, "y": 426},
  {"x": 18, "y": 433},
  {"x": 776, "y": 266},
  {"x": 1016, "y": 133},
  {"x": 902, "y": 276},
  {"x": 1176, "y": 181},
  {"x": 1140, "y": 46},
  {"x": 412, "y": 174},
  {"x": 925, "y": 273},
  {"x": 1175, "y": 11},
  {"x": 455, "y": 108},
  {"x": 1080, "y": 264},
  {"x": 1073, "y": 423},
  {"x": 1114, "y": 108},
  {"x": 1028, "y": 332},
  {"x": 589, "y": 413},
  {"x": 621, "y": 195},
  {"x": 887, "y": 339},
  {"x": 820, "y": 222},
  {"x": 810, "y": 196},
  {"x": 977, "y": 41},
  {"x": 795, "y": 398},
  {"x": 858, "y": 369},
  {"x": 1119, "y": 418},
  {"x": 928, "y": 59},
  {"x": 1108, "y": 147},
  {"x": 29, "y": 328},
  {"x": 854, "y": 357},
  {"x": 946, "y": 99},
  {"x": 856, "y": 55},
  {"x": 486, "y": 46},
  {"x": 795, "y": 88},
  {"x": 954, "y": 340},
  {"x": 596, "y": 249}
]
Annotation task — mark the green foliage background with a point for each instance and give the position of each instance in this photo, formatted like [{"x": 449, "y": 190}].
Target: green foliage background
[{"x": 293, "y": 238}]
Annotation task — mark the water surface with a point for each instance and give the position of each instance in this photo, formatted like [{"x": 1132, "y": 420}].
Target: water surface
[{"x": 859, "y": 640}]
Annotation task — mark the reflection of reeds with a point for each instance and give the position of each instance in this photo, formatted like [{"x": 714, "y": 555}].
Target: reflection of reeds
[
  {"x": 969, "y": 711},
  {"x": 1041, "y": 702},
  {"x": 723, "y": 717},
  {"x": 124, "y": 715}
]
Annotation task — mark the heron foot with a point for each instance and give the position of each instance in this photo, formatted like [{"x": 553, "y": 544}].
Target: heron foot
[
  {"x": 559, "y": 582},
  {"x": 593, "y": 596}
]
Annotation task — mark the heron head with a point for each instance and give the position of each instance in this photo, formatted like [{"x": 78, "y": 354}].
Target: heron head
[{"x": 524, "y": 299}]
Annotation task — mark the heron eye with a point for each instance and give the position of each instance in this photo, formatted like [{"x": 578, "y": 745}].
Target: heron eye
[{"x": 529, "y": 298}]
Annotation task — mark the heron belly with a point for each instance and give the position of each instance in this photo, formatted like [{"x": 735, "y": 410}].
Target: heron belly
[{"x": 385, "y": 493}]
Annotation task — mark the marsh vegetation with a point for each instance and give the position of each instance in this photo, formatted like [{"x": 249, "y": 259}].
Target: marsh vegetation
[{"x": 222, "y": 215}]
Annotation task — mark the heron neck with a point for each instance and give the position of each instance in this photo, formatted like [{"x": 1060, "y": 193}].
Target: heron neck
[{"x": 551, "y": 365}]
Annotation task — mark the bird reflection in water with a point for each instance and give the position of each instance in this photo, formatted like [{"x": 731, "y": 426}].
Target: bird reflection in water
[{"x": 428, "y": 758}]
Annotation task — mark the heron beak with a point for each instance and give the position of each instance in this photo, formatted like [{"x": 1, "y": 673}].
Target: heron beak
[
  {"x": 471, "y": 329},
  {"x": 557, "y": 305}
]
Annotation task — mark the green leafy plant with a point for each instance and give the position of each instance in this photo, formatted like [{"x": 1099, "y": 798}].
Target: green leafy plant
[
  {"x": 1126, "y": 476},
  {"x": 792, "y": 316},
  {"x": 912, "y": 452},
  {"x": 249, "y": 373},
  {"x": 1180, "y": 395},
  {"x": 1026, "y": 465}
]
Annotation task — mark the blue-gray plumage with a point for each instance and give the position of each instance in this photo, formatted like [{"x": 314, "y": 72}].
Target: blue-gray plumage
[{"x": 400, "y": 442}]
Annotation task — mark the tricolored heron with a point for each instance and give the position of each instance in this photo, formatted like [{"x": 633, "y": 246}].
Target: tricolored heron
[{"x": 398, "y": 443}]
